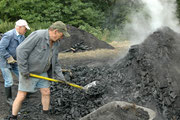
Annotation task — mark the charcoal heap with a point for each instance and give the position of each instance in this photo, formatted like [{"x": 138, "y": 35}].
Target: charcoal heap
[
  {"x": 154, "y": 67},
  {"x": 147, "y": 76},
  {"x": 78, "y": 47},
  {"x": 69, "y": 103},
  {"x": 82, "y": 40},
  {"x": 73, "y": 103}
]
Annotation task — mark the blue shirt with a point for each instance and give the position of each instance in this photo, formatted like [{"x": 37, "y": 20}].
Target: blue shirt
[{"x": 8, "y": 45}]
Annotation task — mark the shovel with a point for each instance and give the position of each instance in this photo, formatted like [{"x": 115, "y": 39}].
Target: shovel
[{"x": 68, "y": 83}]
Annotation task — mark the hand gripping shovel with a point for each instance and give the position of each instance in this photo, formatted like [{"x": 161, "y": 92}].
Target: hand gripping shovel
[{"x": 62, "y": 81}]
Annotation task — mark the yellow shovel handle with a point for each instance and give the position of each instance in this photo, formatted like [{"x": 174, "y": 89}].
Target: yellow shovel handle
[{"x": 54, "y": 80}]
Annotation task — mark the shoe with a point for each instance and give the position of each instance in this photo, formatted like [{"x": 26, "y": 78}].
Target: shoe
[{"x": 9, "y": 96}]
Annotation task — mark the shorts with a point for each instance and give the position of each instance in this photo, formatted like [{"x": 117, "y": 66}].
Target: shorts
[{"x": 32, "y": 84}]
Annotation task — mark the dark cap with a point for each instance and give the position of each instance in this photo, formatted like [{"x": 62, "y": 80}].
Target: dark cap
[{"x": 61, "y": 28}]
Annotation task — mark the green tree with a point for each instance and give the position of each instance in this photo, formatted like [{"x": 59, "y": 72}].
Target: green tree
[
  {"x": 178, "y": 8},
  {"x": 74, "y": 12},
  {"x": 118, "y": 13}
]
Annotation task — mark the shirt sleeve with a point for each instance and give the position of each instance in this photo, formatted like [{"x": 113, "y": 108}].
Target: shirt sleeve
[
  {"x": 4, "y": 43},
  {"x": 58, "y": 69}
]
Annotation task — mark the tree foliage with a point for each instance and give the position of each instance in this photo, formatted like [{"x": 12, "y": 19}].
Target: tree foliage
[
  {"x": 73, "y": 12},
  {"x": 94, "y": 16},
  {"x": 178, "y": 8}
]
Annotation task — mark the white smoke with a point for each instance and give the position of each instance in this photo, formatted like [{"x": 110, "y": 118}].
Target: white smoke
[{"x": 155, "y": 14}]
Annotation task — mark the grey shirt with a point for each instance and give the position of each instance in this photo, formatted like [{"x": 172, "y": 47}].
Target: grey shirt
[{"x": 33, "y": 54}]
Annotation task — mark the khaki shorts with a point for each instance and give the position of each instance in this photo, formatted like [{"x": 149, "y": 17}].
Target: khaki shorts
[{"x": 32, "y": 84}]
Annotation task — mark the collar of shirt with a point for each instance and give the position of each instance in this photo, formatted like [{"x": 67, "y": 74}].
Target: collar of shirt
[{"x": 17, "y": 33}]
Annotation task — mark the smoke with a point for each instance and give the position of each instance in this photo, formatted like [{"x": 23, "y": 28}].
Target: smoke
[{"x": 153, "y": 15}]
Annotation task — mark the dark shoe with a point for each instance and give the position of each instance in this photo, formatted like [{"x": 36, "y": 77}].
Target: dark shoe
[
  {"x": 8, "y": 95},
  {"x": 8, "y": 92}
]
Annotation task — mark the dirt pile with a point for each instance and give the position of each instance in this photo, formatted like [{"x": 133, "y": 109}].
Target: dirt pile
[{"x": 81, "y": 40}]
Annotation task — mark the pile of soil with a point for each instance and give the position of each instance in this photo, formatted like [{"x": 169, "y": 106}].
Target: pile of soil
[
  {"x": 81, "y": 40},
  {"x": 148, "y": 76}
]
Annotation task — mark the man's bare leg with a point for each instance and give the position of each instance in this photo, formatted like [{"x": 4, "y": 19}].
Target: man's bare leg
[
  {"x": 45, "y": 98},
  {"x": 18, "y": 102}
]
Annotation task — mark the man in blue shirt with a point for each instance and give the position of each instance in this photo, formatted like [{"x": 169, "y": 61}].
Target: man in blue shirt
[{"x": 8, "y": 45}]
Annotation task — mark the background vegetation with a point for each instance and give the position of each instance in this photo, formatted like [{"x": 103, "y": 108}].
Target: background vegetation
[{"x": 102, "y": 18}]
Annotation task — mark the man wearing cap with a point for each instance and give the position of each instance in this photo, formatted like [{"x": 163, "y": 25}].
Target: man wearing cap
[
  {"x": 38, "y": 54},
  {"x": 8, "y": 45}
]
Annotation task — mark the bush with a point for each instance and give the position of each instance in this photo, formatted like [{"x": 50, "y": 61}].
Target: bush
[
  {"x": 105, "y": 34},
  {"x": 37, "y": 26},
  {"x": 6, "y": 26},
  {"x": 73, "y": 12},
  {"x": 97, "y": 32}
]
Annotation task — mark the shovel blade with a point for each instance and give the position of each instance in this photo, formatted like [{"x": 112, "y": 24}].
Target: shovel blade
[{"x": 92, "y": 84}]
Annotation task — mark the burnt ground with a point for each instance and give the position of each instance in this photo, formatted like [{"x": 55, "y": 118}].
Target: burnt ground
[{"x": 147, "y": 76}]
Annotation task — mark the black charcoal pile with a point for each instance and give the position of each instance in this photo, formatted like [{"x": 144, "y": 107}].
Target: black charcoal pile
[
  {"x": 70, "y": 103},
  {"x": 78, "y": 47},
  {"x": 153, "y": 69},
  {"x": 147, "y": 76},
  {"x": 82, "y": 40},
  {"x": 73, "y": 103}
]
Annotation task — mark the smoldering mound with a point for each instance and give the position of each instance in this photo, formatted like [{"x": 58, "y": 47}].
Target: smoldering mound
[{"x": 148, "y": 76}]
